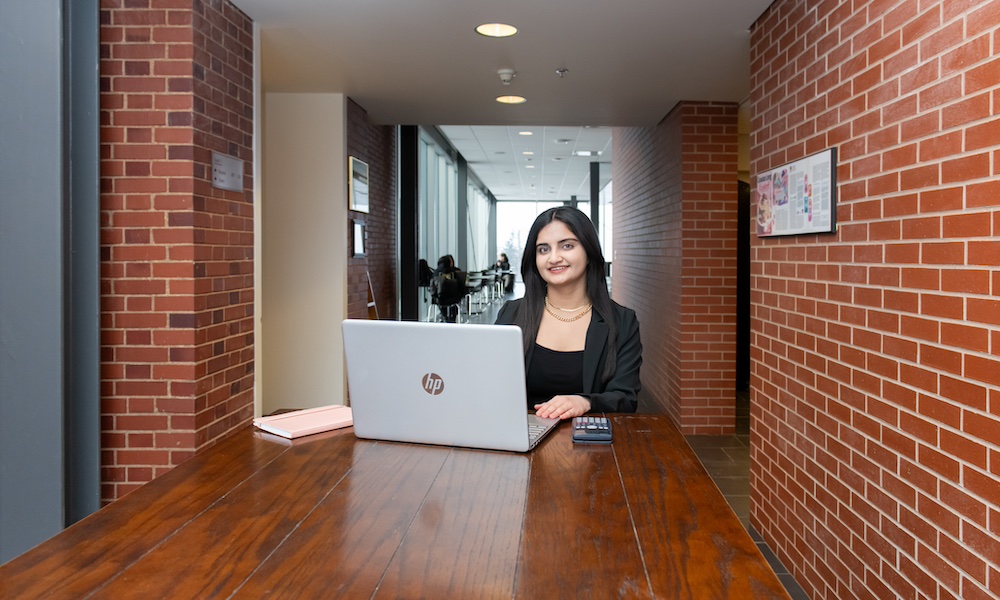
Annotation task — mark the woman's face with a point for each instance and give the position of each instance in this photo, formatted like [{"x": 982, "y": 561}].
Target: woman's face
[{"x": 559, "y": 256}]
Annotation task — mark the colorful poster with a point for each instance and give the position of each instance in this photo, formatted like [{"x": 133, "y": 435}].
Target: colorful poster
[{"x": 800, "y": 197}]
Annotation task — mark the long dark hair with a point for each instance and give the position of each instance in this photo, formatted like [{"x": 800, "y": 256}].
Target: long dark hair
[{"x": 529, "y": 314}]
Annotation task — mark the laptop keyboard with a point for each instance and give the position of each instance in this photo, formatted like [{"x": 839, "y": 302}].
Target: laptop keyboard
[{"x": 534, "y": 431}]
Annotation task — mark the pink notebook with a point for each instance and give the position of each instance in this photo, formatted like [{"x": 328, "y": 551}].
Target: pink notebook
[{"x": 308, "y": 421}]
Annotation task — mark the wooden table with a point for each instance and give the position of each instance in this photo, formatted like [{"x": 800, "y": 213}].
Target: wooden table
[{"x": 331, "y": 516}]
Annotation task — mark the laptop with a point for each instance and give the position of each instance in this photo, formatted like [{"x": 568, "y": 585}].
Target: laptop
[{"x": 440, "y": 383}]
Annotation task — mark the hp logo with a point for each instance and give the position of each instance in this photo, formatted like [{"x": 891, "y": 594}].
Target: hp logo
[{"x": 433, "y": 384}]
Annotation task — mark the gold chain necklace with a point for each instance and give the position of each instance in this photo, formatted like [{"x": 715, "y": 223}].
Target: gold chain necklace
[
  {"x": 565, "y": 309},
  {"x": 567, "y": 319}
]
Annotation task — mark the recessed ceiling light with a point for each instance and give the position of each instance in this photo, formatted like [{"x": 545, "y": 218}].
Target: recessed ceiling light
[
  {"x": 511, "y": 99},
  {"x": 529, "y": 166},
  {"x": 525, "y": 133},
  {"x": 528, "y": 153},
  {"x": 563, "y": 141},
  {"x": 587, "y": 153},
  {"x": 497, "y": 30}
]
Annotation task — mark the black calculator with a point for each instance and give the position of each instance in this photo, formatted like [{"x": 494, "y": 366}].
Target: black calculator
[{"x": 591, "y": 430}]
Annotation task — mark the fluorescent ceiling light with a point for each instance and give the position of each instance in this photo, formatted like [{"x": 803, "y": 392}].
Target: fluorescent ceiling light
[
  {"x": 525, "y": 133},
  {"x": 497, "y": 30},
  {"x": 587, "y": 153}
]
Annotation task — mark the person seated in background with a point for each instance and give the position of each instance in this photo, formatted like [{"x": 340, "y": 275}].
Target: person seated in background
[
  {"x": 503, "y": 263},
  {"x": 582, "y": 351},
  {"x": 425, "y": 273},
  {"x": 447, "y": 288}
]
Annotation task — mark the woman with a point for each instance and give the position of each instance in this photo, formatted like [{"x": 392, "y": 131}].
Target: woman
[
  {"x": 503, "y": 264},
  {"x": 582, "y": 350}
]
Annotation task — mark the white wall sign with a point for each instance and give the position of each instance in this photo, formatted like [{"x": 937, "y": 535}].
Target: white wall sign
[{"x": 227, "y": 172}]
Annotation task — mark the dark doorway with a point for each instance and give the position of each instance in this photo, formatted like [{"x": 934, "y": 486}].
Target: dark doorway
[{"x": 743, "y": 290}]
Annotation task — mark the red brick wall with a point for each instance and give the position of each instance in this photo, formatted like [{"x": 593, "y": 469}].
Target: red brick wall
[
  {"x": 876, "y": 350},
  {"x": 177, "y": 254},
  {"x": 375, "y": 145},
  {"x": 675, "y": 215}
]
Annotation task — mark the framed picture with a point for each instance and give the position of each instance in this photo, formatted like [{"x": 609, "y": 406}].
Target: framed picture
[
  {"x": 358, "y": 181},
  {"x": 799, "y": 197},
  {"x": 358, "y": 237}
]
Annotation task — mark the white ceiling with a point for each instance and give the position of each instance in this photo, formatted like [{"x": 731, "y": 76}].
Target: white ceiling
[
  {"x": 552, "y": 171},
  {"x": 420, "y": 62}
]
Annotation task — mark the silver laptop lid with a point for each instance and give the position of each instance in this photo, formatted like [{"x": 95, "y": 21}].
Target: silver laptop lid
[{"x": 437, "y": 383}]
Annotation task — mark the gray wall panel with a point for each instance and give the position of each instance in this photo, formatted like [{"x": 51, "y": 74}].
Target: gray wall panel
[{"x": 31, "y": 275}]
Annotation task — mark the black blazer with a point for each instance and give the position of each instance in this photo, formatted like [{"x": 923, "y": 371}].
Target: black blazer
[{"x": 619, "y": 393}]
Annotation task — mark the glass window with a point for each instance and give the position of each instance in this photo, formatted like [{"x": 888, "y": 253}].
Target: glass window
[
  {"x": 437, "y": 203},
  {"x": 477, "y": 240},
  {"x": 439, "y": 214},
  {"x": 606, "y": 218}
]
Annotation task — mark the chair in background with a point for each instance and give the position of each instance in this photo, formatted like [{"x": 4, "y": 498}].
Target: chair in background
[
  {"x": 474, "y": 296},
  {"x": 437, "y": 312}
]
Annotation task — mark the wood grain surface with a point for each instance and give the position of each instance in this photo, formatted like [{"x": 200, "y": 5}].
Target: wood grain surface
[
  {"x": 85, "y": 557},
  {"x": 578, "y": 536},
  {"x": 693, "y": 544},
  {"x": 333, "y": 516}
]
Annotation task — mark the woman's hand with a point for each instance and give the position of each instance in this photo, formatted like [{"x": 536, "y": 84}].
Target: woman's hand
[{"x": 563, "y": 407}]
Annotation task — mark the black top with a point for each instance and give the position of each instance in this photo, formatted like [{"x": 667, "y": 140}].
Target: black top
[
  {"x": 619, "y": 393},
  {"x": 448, "y": 287},
  {"x": 553, "y": 373}
]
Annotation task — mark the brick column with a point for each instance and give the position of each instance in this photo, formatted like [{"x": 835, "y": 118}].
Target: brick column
[
  {"x": 676, "y": 202},
  {"x": 177, "y": 254}
]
